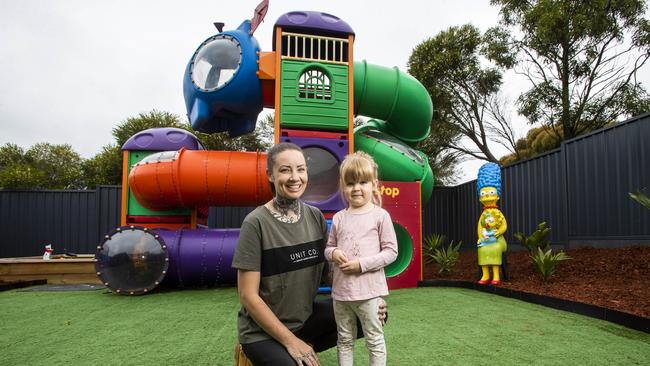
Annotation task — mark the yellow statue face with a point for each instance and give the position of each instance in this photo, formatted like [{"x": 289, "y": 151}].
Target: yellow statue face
[{"x": 488, "y": 196}]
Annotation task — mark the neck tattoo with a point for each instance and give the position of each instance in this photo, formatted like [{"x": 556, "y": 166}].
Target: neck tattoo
[{"x": 283, "y": 205}]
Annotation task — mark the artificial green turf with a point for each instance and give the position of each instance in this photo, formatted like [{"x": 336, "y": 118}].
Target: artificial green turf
[{"x": 428, "y": 326}]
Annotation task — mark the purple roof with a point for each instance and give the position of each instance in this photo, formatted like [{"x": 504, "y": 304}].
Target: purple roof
[
  {"x": 162, "y": 139},
  {"x": 316, "y": 21}
]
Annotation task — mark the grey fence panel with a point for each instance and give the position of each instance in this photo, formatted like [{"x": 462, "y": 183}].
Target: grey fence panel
[
  {"x": 533, "y": 192},
  {"x": 605, "y": 166},
  {"x": 439, "y": 215},
  {"x": 108, "y": 210},
  {"x": 228, "y": 217},
  {"x": 453, "y": 212},
  {"x": 72, "y": 221}
]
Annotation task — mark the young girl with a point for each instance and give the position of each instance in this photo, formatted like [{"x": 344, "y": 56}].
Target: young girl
[{"x": 361, "y": 243}]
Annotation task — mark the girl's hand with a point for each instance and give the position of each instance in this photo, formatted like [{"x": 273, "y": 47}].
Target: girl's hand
[
  {"x": 351, "y": 267},
  {"x": 339, "y": 257},
  {"x": 302, "y": 353}
]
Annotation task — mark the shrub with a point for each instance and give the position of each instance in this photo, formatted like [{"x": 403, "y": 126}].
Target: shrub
[
  {"x": 641, "y": 198},
  {"x": 547, "y": 261},
  {"x": 446, "y": 258},
  {"x": 536, "y": 240},
  {"x": 434, "y": 250},
  {"x": 432, "y": 243}
]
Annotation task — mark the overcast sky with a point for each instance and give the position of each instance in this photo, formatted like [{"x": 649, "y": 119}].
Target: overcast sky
[{"x": 72, "y": 70}]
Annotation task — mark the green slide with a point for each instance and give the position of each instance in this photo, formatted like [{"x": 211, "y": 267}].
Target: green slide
[{"x": 403, "y": 110}]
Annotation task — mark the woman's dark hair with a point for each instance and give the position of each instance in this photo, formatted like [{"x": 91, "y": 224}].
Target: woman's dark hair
[{"x": 272, "y": 154}]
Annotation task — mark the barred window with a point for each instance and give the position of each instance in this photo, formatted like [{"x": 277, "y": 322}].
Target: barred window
[{"x": 314, "y": 84}]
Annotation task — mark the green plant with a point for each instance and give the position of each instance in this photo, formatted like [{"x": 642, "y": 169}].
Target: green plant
[
  {"x": 446, "y": 258},
  {"x": 536, "y": 240},
  {"x": 432, "y": 243},
  {"x": 641, "y": 198},
  {"x": 547, "y": 261}
]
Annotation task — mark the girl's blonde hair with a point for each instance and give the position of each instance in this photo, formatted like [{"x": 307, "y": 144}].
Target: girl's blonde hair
[{"x": 359, "y": 167}]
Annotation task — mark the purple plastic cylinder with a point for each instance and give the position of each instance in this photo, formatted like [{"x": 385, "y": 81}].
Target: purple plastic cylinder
[
  {"x": 338, "y": 149},
  {"x": 201, "y": 257}
]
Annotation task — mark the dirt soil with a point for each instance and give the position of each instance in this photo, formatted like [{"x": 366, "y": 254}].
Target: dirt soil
[{"x": 616, "y": 279}]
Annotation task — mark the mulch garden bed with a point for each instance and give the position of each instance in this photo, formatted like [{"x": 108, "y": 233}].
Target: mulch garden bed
[{"x": 617, "y": 279}]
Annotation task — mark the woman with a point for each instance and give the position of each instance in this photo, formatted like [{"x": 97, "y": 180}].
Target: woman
[{"x": 280, "y": 260}]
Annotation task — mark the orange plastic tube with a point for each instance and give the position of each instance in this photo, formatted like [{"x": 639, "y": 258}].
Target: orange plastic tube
[{"x": 201, "y": 178}]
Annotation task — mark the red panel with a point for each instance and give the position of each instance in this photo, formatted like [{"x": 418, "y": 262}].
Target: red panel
[
  {"x": 173, "y": 227},
  {"x": 314, "y": 134},
  {"x": 158, "y": 219},
  {"x": 402, "y": 201},
  {"x": 268, "y": 93}
]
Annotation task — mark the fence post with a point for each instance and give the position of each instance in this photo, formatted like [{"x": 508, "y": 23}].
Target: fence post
[{"x": 564, "y": 196}]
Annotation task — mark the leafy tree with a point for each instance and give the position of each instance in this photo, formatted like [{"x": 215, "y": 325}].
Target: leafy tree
[
  {"x": 60, "y": 164},
  {"x": 462, "y": 71},
  {"x": 443, "y": 161},
  {"x": 581, "y": 58},
  {"x": 259, "y": 140},
  {"x": 105, "y": 168},
  {"x": 21, "y": 176},
  {"x": 143, "y": 121},
  {"x": 537, "y": 141},
  {"x": 42, "y": 166},
  {"x": 11, "y": 154}
]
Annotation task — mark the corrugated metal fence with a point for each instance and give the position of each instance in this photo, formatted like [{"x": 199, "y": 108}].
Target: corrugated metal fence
[
  {"x": 580, "y": 190},
  {"x": 70, "y": 220}
]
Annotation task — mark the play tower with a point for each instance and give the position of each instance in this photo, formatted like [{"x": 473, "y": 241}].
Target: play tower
[{"x": 316, "y": 88}]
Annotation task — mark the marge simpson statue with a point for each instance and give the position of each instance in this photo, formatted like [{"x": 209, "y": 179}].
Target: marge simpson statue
[{"x": 491, "y": 225}]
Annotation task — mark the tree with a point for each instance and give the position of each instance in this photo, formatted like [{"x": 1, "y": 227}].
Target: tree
[
  {"x": 60, "y": 164},
  {"x": 143, "y": 121},
  {"x": 106, "y": 167},
  {"x": 259, "y": 140},
  {"x": 462, "y": 71},
  {"x": 11, "y": 154},
  {"x": 581, "y": 58},
  {"x": 537, "y": 141},
  {"x": 42, "y": 166},
  {"x": 442, "y": 160},
  {"x": 21, "y": 176}
]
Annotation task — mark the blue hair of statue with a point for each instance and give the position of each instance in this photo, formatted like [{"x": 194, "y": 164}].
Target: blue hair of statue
[{"x": 489, "y": 175}]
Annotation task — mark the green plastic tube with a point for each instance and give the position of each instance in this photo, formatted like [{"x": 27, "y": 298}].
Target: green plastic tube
[
  {"x": 396, "y": 160},
  {"x": 393, "y": 96}
]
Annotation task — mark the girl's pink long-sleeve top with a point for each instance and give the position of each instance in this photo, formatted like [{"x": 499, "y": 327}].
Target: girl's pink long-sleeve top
[{"x": 369, "y": 237}]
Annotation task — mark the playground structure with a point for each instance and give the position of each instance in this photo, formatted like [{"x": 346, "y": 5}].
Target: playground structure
[{"x": 316, "y": 88}]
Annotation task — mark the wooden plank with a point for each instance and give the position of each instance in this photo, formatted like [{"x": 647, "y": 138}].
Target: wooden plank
[
  {"x": 68, "y": 270},
  {"x": 46, "y": 268}
]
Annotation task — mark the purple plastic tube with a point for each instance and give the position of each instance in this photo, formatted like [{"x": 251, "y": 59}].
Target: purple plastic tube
[{"x": 201, "y": 257}]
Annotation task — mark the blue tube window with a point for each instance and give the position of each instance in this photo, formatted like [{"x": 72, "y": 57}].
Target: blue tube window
[{"x": 216, "y": 62}]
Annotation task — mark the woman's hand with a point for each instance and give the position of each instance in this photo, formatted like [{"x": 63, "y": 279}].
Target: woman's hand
[
  {"x": 339, "y": 257},
  {"x": 302, "y": 353},
  {"x": 351, "y": 267}
]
